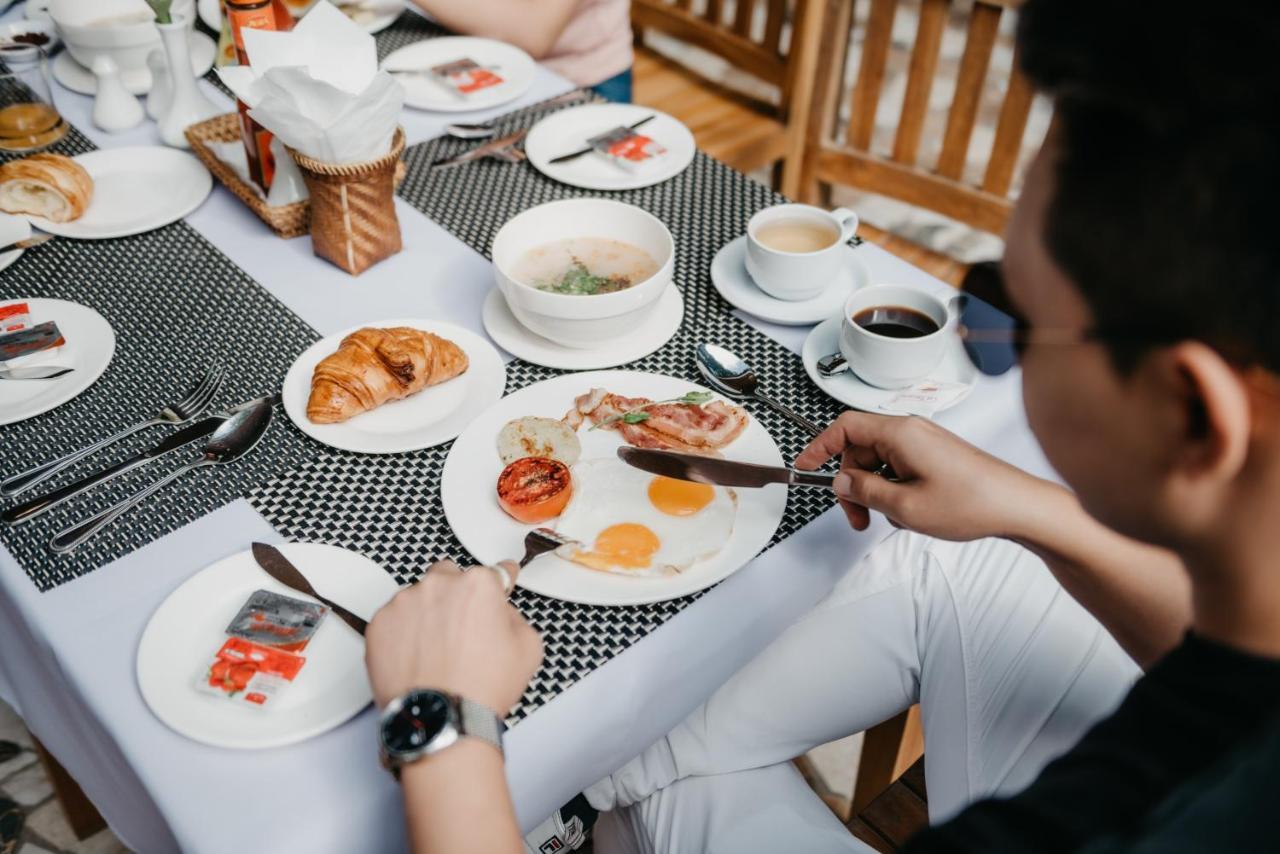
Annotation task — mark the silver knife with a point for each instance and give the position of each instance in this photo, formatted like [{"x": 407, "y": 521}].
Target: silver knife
[
  {"x": 574, "y": 155},
  {"x": 702, "y": 469},
  {"x": 488, "y": 149},
  {"x": 275, "y": 564},
  {"x": 29, "y": 510},
  {"x": 27, "y": 244},
  {"x": 33, "y": 373}
]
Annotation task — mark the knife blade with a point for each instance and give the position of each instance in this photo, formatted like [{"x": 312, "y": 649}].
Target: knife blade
[
  {"x": 700, "y": 469},
  {"x": 275, "y": 564},
  {"x": 485, "y": 150},
  {"x": 29, "y": 510},
  {"x": 26, "y": 244},
  {"x": 574, "y": 155},
  {"x": 34, "y": 373}
]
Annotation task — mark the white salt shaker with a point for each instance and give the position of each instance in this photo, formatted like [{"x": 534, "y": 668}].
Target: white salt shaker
[{"x": 114, "y": 108}]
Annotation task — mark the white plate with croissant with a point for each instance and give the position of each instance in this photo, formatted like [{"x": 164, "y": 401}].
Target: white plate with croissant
[
  {"x": 107, "y": 193},
  {"x": 393, "y": 385}
]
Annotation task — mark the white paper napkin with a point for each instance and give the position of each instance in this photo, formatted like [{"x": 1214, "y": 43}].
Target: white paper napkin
[
  {"x": 318, "y": 88},
  {"x": 925, "y": 397}
]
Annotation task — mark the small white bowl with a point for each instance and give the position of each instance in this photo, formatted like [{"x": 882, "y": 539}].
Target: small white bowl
[
  {"x": 126, "y": 44},
  {"x": 9, "y": 31},
  {"x": 572, "y": 320}
]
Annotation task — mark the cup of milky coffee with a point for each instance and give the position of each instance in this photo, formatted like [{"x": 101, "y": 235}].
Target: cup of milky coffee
[
  {"x": 894, "y": 336},
  {"x": 794, "y": 252}
]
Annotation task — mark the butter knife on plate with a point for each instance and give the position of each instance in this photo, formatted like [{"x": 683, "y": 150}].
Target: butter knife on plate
[
  {"x": 700, "y": 469},
  {"x": 275, "y": 564}
]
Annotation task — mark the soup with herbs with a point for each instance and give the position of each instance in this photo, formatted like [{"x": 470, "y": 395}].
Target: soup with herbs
[{"x": 584, "y": 266}]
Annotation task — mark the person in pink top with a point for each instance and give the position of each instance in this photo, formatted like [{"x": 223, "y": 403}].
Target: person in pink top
[{"x": 587, "y": 41}]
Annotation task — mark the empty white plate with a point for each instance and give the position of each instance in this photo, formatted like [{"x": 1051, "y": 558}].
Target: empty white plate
[
  {"x": 568, "y": 130},
  {"x": 90, "y": 345},
  {"x": 730, "y": 277},
  {"x": 847, "y": 388},
  {"x": 468, "y": 490},
  {"x": 188, "y": 628},
  {"x": 509, "y": 334},
  {"x": 77, "y": 78},
  {"x": 436, "y": 414},
  {"x": 135, "y": 190},
  {"x": 515, "y": 66}
]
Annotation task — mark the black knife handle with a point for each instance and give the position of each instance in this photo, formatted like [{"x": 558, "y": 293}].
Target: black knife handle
[{"x": 30, "y": 509}]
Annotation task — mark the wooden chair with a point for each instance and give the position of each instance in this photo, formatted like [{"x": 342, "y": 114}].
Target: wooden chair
[
  {"x": 844, "y": 155},
  {"x": 745, "y": 132}
]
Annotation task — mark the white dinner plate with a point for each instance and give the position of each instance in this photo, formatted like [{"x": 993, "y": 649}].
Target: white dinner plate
[
  {"x": 516, "y": 339},
  {"x": 90, "y": 343},
  {"x": 436, "y": 414},
  {"x": 515, "y": 66},
  {"x": 730, "y": 277},
  {"x": 469, "y": 494},
  {"x": 568, "y": 130},
  {"x": 851, "y": 391},
  {"x": 188, "y": 628},
  {"x": 12, "y": 229},
  {"x": 210, "y": 12},
  {"x": 135, "y": 190},
  {"x": 77, "y": 78}
]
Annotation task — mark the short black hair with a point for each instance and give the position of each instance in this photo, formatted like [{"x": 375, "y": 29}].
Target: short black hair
[{"x": 1168, "y": 169}]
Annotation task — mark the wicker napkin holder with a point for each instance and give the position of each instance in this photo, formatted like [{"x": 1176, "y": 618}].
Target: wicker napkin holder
[{"x": 353, "y": 211}]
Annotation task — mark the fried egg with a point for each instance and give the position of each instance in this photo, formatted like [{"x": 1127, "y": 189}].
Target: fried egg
[{"x": 630, "y": 522}]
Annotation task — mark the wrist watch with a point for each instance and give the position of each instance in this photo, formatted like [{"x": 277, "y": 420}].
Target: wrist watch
[{"x": 426, "y": 721}]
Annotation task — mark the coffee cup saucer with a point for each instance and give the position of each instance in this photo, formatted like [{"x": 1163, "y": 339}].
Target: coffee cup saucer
[
  {"x": 730, "y": 277},
  {"x": 850, "y": 390}
]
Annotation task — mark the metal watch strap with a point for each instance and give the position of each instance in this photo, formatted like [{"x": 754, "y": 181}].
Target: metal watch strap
[{"x": 480, "y": 721}]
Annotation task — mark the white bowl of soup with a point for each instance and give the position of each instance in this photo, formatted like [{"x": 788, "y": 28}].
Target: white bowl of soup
[{"x": 582, "y": 272}]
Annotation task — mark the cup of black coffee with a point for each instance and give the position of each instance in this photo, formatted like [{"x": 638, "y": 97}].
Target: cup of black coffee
[{"x": 892, "y": 335}]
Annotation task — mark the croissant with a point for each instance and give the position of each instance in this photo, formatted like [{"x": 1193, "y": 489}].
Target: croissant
[
  {"x": 372, "y": 366},
  {"x": 48, "y": 185}
]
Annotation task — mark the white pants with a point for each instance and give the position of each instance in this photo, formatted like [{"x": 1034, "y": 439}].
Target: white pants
[{"x": 1008, "y": 669}]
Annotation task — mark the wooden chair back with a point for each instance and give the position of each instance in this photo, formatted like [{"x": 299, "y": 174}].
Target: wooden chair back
[
  {"x": 844, "y": 155},
  {"x": 747, "y": 33}
]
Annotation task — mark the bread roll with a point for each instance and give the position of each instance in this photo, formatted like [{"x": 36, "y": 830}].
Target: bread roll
[{"x": 48, "y": 185}]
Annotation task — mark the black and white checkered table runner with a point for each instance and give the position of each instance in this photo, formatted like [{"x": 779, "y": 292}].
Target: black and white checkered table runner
[{"x": 176, "y": 304}]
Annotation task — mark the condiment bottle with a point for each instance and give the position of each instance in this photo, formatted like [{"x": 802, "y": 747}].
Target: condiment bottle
[{"x": 255, "y": 15}]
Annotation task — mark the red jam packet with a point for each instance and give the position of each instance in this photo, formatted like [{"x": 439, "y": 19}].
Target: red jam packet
[
  {"x": 24, "y": 342},
  {"x": 628, "y": 149},
  {"x": 466, "y": 76},
  {"x": 250, "y": 673},
  {"x": 272, "y": 619},
  {"x": 14, "y": 316}
]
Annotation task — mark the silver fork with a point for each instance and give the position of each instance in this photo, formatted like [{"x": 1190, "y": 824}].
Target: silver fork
[
  {"x": 539, "y": 541},
  {"x": 193, "y": 405}
]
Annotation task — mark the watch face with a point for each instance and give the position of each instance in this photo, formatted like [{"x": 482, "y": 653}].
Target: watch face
[{"x": 423, "y": 716}]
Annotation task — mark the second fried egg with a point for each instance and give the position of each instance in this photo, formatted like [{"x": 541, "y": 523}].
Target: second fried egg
[{"x": 630, "y": 522}]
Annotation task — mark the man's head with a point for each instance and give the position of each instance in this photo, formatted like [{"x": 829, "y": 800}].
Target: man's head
[{"x": 1146, "y": 222}]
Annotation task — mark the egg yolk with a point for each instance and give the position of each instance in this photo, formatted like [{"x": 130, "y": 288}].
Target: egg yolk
[
  {"x": 679, "y": 497},
  {"x": 623, "y": 546}
]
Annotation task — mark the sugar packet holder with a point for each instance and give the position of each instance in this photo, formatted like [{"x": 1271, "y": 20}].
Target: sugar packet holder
[
  {"x": 628, "y": 149},
  {"x": 465, "y": 76}
]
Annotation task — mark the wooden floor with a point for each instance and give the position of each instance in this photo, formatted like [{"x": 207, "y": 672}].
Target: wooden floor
[{"x": 729, "y": 126}]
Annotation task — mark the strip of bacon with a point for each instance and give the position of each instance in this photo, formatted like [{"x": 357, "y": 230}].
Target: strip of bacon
[{"x": 670, "y": 426}]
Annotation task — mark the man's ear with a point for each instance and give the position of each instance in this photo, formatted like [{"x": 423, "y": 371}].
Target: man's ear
[{"x": 1216, "y": 418}]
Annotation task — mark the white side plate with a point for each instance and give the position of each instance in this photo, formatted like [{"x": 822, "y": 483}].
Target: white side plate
[
  {"x": 515, "y": 66},
  {"x": 89, "y": 338},
  {"x": 569, "y": 130}
]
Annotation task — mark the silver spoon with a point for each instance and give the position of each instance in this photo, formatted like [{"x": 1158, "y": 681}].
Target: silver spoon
[
  {"x": 236, "y": 437},
  {"x": 732, "y": 377}
]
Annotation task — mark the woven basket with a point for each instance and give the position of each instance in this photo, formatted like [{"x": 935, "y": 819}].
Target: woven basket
[
  {"x": 353, "y": 211},
  {"x": 292, "y": 220}
]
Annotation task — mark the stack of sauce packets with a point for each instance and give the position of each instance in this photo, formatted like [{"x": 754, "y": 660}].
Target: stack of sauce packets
[
  {"x": 628, "y": 149},
  {"x": 465, "y": 77},
  {"x": 260, "y": 656}
]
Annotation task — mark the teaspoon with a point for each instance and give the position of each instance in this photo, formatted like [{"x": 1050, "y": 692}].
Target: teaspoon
[{"x": 732, "y": 377}]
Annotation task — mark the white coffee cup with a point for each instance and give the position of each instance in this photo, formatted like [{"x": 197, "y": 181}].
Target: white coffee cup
[
  {"x": 888, "y": 362},
  {"x": 798, "y": 275}
]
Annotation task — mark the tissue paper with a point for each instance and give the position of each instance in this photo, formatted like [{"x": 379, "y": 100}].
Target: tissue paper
[{"x": 318, "y": 88}]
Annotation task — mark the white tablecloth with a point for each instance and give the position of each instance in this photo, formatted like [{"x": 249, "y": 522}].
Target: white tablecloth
[{"x": 67, "y": 656}]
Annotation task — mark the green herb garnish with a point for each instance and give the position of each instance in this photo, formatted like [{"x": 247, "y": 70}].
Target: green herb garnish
[
  {"x": 638, "y": 414},
  {"x": 579, "y": 281}
]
